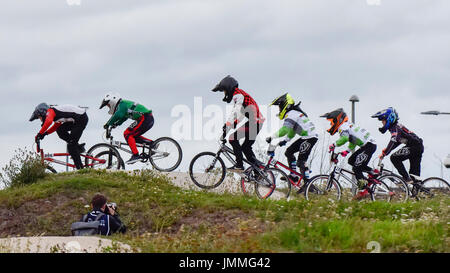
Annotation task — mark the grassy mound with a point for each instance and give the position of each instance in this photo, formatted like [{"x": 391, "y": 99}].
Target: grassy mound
[{"x": 164, "y": 218}]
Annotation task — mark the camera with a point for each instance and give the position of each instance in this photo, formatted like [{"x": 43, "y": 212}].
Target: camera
[{"x": 112, "y": 206}]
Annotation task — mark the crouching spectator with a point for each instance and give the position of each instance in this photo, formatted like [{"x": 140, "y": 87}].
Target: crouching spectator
[{"x": 106, "y": 214}]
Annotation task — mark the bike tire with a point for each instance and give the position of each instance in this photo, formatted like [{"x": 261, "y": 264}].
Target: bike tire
[
  {"x": 178, "y": 157},
  {"x": 50, "y": 169},
  {"x": 279, "y": 189},
  {"x": 320, "y": 189},
  {"x": 436, "y": 187},
  {"x": 397, "y": 185},
  {"x": 113, "y": 161},
  {"x": 206, "y": 169}
]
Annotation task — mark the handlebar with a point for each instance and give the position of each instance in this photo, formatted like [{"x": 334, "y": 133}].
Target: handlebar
[
  {"x": 38, "y": 145},
  {"x": 108, "y": 132}
]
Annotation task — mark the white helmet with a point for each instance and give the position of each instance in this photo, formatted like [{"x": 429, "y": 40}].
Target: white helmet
[{"x": 112, "y": 100}]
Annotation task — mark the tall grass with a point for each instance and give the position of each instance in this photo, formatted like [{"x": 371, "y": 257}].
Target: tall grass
[{"x": 24, "y": 168}]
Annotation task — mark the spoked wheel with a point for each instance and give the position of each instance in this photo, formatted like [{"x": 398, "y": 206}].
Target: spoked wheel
[
  {"x": 381, "y": 192},
  {"x": 319, "y": 188},
  {"x": 207, "y": 170},
  {"x": 166, "y": 155},
  {"x": 103, "y": 156},
  {"x": 397, "y": 185},
  {"x": 279, "y": 188},
  {"x": 431, "y": 188}
]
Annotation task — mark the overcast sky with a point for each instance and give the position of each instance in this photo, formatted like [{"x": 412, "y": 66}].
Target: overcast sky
[{"x": 165, "y": 53}]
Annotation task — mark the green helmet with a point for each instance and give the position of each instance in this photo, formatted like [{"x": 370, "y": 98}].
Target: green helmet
[{"x": 285, "y": 103}]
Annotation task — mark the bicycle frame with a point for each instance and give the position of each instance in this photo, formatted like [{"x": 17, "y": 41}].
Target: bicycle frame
[
  {"x": 118, "y": 145},
  {"x": 277, "y": 164},
  {"x": 50, "y": 158},
  {"x": 342, "y": 172},
  {"x": 227, "y": 152}
]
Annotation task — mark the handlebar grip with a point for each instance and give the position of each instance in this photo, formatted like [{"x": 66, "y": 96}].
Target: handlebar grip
[{"x": 38, "y": 145}]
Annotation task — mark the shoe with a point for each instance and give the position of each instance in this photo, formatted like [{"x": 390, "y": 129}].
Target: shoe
[
  {"x": 361, "y": 195},
  {"x": 409, "y": 181},
  {"x": 236, "y": 169},
  {"x": 302, "y": 189},
  {"x": 134, "y": 159},
  {"x": 81, "y": 148}
]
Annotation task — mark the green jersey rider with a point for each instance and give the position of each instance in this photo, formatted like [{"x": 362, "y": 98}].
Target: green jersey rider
[
  {"x": 356, "y": 136},
  {"x": 296, "y": 122},
  {"x": 121, "y": 110}
]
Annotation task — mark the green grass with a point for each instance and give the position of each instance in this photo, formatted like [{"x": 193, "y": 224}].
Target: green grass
[{"x": 163, "y": 218}]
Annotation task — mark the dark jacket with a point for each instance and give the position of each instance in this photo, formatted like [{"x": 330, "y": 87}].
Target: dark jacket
[{"x": 109, "y": 224}]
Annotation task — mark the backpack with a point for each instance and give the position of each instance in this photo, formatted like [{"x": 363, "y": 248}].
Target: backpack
[{"x": 86, "y": 228}]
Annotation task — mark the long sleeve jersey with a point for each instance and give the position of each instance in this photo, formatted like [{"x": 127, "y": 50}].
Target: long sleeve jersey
[
  {"x": 127, "y": 110},
  {"x": 244, "y": 106},
  {"x": 60, "y": 114},
  {"x": 296, "y": 123},
  {"x": 401, "y": 135},
  {"x": 355, "y": 135}
]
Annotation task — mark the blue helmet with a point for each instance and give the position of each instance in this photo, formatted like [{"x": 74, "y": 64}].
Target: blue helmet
[{"x": 389, "y": 115}]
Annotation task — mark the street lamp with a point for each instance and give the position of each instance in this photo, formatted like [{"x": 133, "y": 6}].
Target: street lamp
[
  {"x": 435, "y": 113},
  {"x": 353, "y": 99}
]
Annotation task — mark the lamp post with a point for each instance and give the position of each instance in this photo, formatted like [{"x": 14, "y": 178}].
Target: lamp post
[
  {"x": 353, "y": 99},
  {"x": 435, "y": 113}
]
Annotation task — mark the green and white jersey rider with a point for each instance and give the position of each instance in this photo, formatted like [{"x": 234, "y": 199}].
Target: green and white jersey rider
[
  {"x": 127, "y": 110},
  {"x": 355, "y": 135},
  {"x": 296, "y": 123}
]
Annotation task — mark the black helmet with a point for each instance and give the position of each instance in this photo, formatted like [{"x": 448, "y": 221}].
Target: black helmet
[
  {"x": 285, "y": 103},
  {"x": 227, "y": 85},
  {"x": 40, "y": 111},
  {"x": 336, "y": 118}
]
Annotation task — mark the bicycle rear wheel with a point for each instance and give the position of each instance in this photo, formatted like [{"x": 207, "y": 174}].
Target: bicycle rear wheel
[
  {"x": 319, "y": 188},
  {"x": 111, "y": 159},
  {"x": 166, "y": 154},
  {"x": 207, "y": 170},
  {"x": 397, "y": 185},
  {"x": 434, "y": 187}
]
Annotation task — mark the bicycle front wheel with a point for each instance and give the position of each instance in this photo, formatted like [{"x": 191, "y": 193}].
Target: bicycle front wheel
[
  {"x": 321, "y": 188},
  {"x": 50, "y": 169},
  {"x": 280, "y": 187},
  {"x": 207, "y": 170},
  {"x": 103, "y": 156},
  {"x": 381, "y": 192},
  {"x": 396, "y": 184},
  {"x": 166, "y": 155},
  {"x": 434, "y": 187}
]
